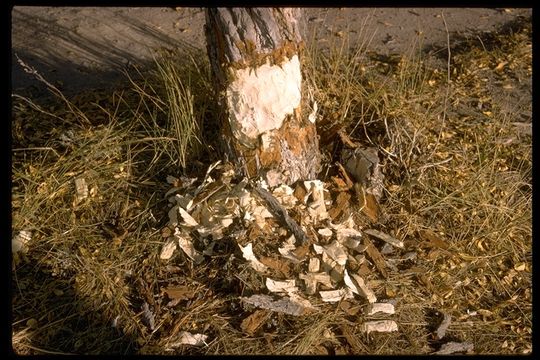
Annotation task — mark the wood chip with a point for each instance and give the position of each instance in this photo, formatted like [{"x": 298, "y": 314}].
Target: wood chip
[
  {"x": 254, "y": 321},
  {"x": 187, "y": 338},
  {"x": 286, "y": 286},
  {"x": 379, "y": 326},
  {"x": 367, "y": 202},
  {"x": 284, "y": 305},
  {"x": 454, "y": 347},
  {"x": 385, "y": 237},
  {"x": 336, "y": 295},
  {"x": 386, "y": 308},
  {"x": 339, "y": 184},
  {"x": 346, "y": 139},
  {"x": 441, "y": 330},
  {"x": 375, "y": 256},
  {"x": 341, "y": 205},
  {"x": 281, "y": 213},
  {"x": 314, "y": 265},
  {"x": 363, "y": 289},
  {"x": 247, "y": 253},
  {"x": 283, "y": 268},
  {"x": 345, "y": 175},
  {"x": 148, "y": 316},
  {"x": 187, "y": 246}
]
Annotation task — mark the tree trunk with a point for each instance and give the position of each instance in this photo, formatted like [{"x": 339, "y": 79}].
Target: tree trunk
[{"x": 254, "y": 55}]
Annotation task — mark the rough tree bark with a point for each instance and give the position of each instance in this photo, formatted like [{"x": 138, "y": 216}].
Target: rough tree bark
[{"x": 254, "y": 55}]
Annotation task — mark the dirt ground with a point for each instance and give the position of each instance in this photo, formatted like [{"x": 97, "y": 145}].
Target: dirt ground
[{"x": 86, "y": 47}]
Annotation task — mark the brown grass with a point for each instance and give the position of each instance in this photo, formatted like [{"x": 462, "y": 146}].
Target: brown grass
[{"x": 454, "y": 163}]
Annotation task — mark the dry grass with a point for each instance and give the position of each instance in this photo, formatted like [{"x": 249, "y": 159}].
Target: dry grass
[{"x": 454, "y": 163}]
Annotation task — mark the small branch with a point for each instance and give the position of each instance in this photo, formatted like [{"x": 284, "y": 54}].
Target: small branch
[
  {"x": 37, "y": 148},
  {"x": 281, "y": 213}
]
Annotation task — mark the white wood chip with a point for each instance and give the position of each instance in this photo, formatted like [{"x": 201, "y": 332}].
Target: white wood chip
[
  {"x": 343, "y": 234},
  {"x": 248, "y": 254},
  {"x": 81, "y": 189},
  {"x": 336, "y": 295},
  {"x": 386, "y": 308},
  {"x": 187, "y": 338},
  {"x": 325, "y": 232},
  {"x": 314, "y": 265},
  {"x": 318, "y": 249},
  {"x": 19, "y": 241},
  {"x": 379, "y": 326},
  {"x": 336, "y": 251},
  {"x": 441, "y": 330},
  {"x": 364, "y": 290},
  {"x": 286, "y": 286}
]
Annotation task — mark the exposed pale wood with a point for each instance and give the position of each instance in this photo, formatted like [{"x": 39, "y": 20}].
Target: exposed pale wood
[{"x": 248, "y": 38}]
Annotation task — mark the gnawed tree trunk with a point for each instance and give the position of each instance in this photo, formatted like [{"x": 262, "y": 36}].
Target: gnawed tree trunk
[{"x": 254, "y": 55}]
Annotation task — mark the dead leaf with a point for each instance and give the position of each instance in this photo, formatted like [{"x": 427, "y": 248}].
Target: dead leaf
[
  {"x": 432, "y": 239},
  {"x": 179, "y": 292},
  {"x": 349, "y": 307},
  {"x": 254, "y": 321},
  {"x": 375, "y": 256},
  {"x": 168, "y": 249}
]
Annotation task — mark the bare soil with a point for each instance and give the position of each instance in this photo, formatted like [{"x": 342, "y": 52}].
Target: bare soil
[{"x": 85, "y": 47}]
